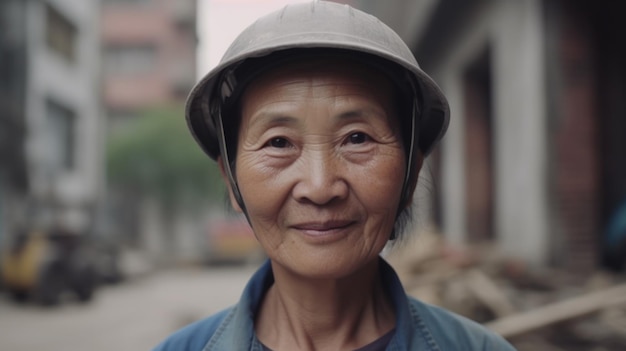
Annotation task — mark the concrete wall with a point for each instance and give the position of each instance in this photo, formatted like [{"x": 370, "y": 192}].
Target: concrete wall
[
  {"x": 3, "y": 224},
  {"x": 12, "y": 51},
  {"x": 447, "y": 37},
  {"x": 513, "y": 32},
  {"x": 75, "y": 86}
]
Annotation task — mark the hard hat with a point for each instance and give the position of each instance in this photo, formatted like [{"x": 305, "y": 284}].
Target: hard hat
[{"x": 319, "y": 26}]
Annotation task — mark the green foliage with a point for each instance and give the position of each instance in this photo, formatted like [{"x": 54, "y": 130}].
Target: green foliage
[{"x": 157, "y": 156}]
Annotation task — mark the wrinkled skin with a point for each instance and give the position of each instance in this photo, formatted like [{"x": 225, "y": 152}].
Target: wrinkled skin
[{"x": 320, "y": 165}]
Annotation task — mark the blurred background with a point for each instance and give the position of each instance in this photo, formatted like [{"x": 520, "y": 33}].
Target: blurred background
[{"x": 115, "y": 229}]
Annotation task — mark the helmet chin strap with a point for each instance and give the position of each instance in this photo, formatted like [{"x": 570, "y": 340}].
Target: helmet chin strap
[
  {"x": 221, "y": 136},
  {"x": 409, "y": 174},
  {"x": 406, "y": 186}
]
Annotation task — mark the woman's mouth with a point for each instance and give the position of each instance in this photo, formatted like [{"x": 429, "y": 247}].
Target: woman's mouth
[{"x": 323, "y": 228}]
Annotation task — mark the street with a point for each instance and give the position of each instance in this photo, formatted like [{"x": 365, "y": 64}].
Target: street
[{"x": 133, "y": 315}]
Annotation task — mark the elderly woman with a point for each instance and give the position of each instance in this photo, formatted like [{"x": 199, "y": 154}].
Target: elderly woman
[{"x": 320, "y": 119}]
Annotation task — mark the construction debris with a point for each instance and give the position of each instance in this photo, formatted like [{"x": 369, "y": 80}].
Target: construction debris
[
  {"x": 574, "y": 307},
  {"x": 539, "y": 309}
]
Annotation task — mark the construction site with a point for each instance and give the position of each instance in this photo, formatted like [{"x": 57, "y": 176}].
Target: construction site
[{"x": 535, "y": 308}]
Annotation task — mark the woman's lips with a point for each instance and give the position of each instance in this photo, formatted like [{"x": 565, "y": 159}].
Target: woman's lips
[{"x": 320, "y": 228}]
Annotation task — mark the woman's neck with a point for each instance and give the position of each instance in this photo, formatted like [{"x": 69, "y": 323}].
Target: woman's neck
[{"x": 331, "y": 314}]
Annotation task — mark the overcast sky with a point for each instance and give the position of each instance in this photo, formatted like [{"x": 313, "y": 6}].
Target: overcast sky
[{"x": 220, "y": 21}]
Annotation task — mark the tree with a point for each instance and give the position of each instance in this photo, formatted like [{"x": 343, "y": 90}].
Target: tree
[{"x": 157, "y": 156}]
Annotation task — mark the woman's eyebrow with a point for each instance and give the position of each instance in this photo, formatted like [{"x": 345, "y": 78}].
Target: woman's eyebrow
[{"x": 268, "y": 119}]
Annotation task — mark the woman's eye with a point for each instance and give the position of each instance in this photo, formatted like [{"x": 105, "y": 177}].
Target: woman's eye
[
  {"x": 358, "y": 138},
  {"x": 278, "y": 143}
]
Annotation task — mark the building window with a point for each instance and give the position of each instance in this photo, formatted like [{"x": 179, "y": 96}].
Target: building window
[
  {"x": 61, "y": 136},
  {"x": 130, "y": 59},
  {"x": 60, "y": 34}
]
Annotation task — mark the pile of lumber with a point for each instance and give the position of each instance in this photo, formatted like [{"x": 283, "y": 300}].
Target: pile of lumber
[{"x": 534, "y": 308}]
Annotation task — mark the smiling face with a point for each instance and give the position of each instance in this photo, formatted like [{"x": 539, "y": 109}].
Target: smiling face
[{"x": 320, "y": 165}]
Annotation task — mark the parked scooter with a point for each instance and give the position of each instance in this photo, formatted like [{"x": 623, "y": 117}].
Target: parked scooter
[{"x": 43, "y": 265}]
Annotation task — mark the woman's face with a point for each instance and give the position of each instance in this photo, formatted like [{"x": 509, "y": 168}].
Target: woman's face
[{"x": 320, "y": 166}]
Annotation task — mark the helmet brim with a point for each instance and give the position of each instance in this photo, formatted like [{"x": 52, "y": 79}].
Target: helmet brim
[{"x": 368, "y": 36}]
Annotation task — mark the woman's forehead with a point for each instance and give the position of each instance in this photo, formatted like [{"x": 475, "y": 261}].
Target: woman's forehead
[
  {"x": 320, "y": 92},
  {"x": 324, "y": 93}
]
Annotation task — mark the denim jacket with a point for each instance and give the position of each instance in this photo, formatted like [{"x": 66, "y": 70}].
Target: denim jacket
[{"x": 419, "y": 326}]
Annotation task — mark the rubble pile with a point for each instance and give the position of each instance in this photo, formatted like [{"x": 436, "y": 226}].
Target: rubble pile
[{"x": 538, "y": 309}]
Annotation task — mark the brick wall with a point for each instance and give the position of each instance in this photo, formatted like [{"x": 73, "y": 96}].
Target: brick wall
[
  {"x": 576, "y": 169},
  {"x": 478, "y": 156}
]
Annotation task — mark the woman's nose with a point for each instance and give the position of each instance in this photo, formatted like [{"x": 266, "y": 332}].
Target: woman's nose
[{"x": 321, "y": 180}]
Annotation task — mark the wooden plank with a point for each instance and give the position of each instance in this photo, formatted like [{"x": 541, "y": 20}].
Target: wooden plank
[
  {"x": 488, "y": 292},
  {"x": 575, "y": 307},
  {"x": 433, "y": 277}
]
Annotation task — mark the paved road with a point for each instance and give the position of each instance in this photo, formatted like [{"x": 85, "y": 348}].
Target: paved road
[{"x": 134, "y": 315}]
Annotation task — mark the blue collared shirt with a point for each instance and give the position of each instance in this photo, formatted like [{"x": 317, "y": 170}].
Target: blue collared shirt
[{"x": 419, "y": 326}]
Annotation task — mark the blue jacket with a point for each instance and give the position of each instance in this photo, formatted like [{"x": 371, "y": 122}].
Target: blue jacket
[{"x": 419, "y": 326}]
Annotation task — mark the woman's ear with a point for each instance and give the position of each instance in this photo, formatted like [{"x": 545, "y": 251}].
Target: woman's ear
[{"x": 229, "y": 185}]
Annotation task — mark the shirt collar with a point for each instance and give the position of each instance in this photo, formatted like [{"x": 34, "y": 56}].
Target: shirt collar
[{"x": 239, "y": 328}]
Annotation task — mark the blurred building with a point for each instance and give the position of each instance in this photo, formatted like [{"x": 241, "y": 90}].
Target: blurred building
[
  {"x": 149, "y": 54},
  {"x": 13, "y": 182},
  {"x": 50, "y": 113},
  {"x": 535, "y": 155},
  {"x": 149, "y": 61}
]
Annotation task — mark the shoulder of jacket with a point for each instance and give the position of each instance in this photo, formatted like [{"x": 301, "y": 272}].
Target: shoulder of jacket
[
  {"x": 451, "y": 330},
  {"x": 195, "y": 335}
]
